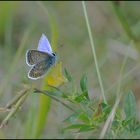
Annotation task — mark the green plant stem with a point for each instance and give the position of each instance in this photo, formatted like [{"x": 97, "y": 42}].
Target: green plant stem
[
  {"x": 93, "y": 50},
  {"x": 45, "y": 93}
]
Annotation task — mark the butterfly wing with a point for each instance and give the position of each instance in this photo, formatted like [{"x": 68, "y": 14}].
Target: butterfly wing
[
  {"x": 39, "y": 70},
  {"x": 35, "y": 56},
  {"x": 44, "y": 45}
]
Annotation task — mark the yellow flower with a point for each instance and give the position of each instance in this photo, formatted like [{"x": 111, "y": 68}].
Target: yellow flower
[{"x": 55, "y": 76}]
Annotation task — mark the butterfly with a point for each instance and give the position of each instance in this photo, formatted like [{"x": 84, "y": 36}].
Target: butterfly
[{"x": 41, "y": 59}]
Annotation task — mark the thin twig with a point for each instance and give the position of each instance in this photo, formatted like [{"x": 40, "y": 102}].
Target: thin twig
[
  {"x": 14, "y": 101},
  {"x": 14, "y": 109},
  {"x": 45, "y": 93}
]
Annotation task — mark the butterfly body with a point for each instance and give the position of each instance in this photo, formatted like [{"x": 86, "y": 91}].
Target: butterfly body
[{"x": 41, "y": 59}]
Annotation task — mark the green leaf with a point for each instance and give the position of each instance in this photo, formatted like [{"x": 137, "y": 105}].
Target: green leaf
[
  {"x": 86, "y": 128},
  {"x": 84, "y": 117},
  {"x": 75, "y": 116},
  {"x": 68, "y": 76},
  {"x": 130, "y": 105},
  {"x": 72, "y": 118},
  {"x": 81, "y": 97},
  {"x": 126, "y": 122},
  {"x": 104, "y": 105},
  {"x": 106, "y": 108},
  {"x": 78, "y": 126},
  {"x": 83, "y": 85},
  {"x": 53, "y": 93}
]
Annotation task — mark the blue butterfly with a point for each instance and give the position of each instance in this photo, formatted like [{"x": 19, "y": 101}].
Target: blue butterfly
[{"x": 41, "y": 59}]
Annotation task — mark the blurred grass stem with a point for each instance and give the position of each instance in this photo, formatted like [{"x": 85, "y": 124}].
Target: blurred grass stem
[
  {"x": 123, "y": 21},
  {"x": 121, "y": 75},
  {"x": 6, "y": 79},
  {"x": 123, "y": 78},
  {"x": 93, "y": 50}
]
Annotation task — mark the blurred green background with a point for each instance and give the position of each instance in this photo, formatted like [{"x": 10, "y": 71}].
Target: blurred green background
[{"x": 21, "y": 26}]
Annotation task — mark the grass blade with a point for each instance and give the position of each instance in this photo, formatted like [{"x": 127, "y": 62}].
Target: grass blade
[{"x": 93, "y": 50}]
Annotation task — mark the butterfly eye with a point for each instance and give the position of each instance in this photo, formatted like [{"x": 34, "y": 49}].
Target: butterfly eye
[{"x": 53, "y": 54}]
